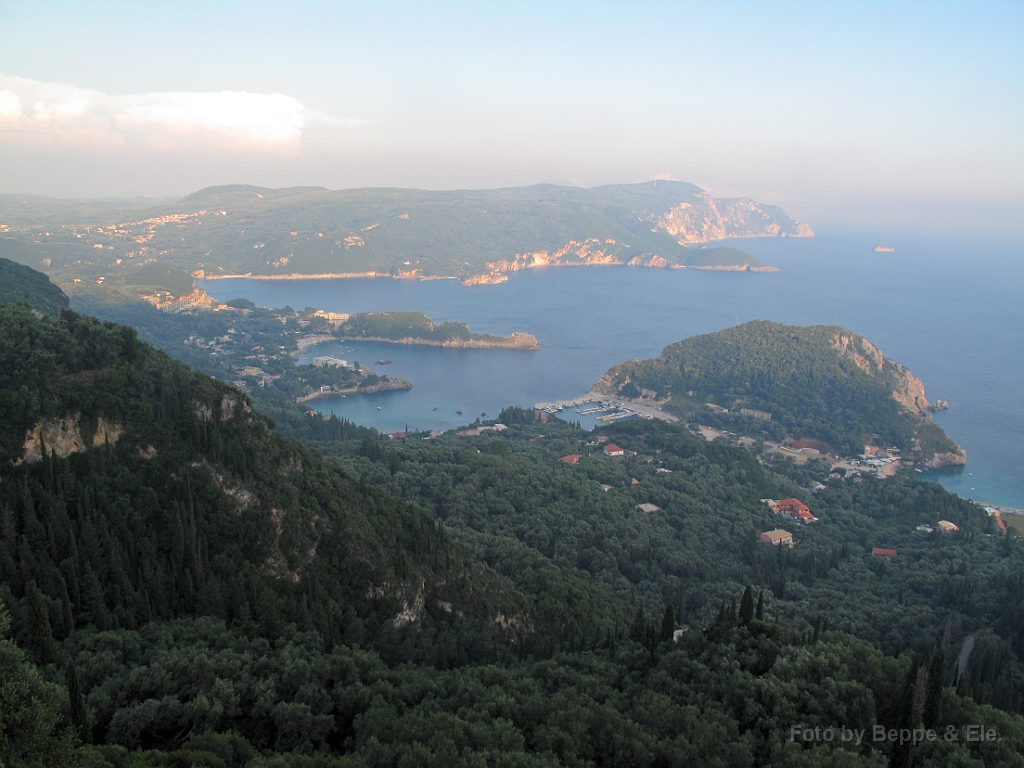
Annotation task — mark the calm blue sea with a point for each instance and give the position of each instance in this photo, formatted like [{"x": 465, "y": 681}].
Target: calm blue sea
[{"x": 952, "y": 312}]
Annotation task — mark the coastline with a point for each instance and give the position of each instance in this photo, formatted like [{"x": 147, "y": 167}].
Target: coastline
[
  {"x": 391, "y": 385},
  {"x": 482, "y": 278},
  {"x": 520, "y": 341}
]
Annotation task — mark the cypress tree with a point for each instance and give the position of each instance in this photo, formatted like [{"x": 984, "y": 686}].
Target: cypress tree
[
  {"x": 79, "y": 714},
  {"x": 936, "y": 681},
  {"x": 747, "y": 606},
  {"x": 759, "y": 612},
  {"x": 639, "y": 629},
  {"x": 65, "y": 604},
  {"x": 668, "y": 623},
  {"x": 817, "y": 629},
  {"x": 42, "y": 634}
]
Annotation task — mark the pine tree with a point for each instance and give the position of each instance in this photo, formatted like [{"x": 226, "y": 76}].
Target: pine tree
[
  {"x": 668, "y": 623},
  {"x": 747, "y": 606},
  {"x": 79, "y": 714}
]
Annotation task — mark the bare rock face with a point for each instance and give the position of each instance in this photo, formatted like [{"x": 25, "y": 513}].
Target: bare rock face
[
  {"x": 707, "y": 219},
  {"x": 908, "y": 390},
  {"x": 64, "y": 436},
  {"x": 940, "y": 460}
]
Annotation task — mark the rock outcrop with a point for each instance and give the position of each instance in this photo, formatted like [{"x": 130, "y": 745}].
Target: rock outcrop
[
  {"x": 707, "y": 219},
  {"x": 67, "y": 435}
]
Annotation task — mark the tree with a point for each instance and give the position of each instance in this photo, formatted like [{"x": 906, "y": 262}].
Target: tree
[
  {"x": 759, "y": 612},
  {"x": 668, "y": 623},
  {"x": 42, "y": 636},
  {"x": 747, "y": 606},
  {"x": 936, "y": 681},
  {"x": 79, "y": 714}
]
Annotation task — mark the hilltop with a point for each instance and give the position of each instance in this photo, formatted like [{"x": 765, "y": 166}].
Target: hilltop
[
  {"x": 20, "y": 283},
  {"x": 819, "y": 382},
  {"x": 477, "y": 236}
]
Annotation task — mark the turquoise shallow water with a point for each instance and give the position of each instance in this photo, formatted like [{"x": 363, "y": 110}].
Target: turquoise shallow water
[{"x": 952, "y": 312}]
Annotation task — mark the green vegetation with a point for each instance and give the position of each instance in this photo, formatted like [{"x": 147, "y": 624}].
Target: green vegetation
[
  {"x": 820, "y": 382},
  {"x": 721, "y": 257},
  {"x": 398, "y": 326},
  {"x": 20, "y": 283},
  {"x": 161, "y": 277},
  {"x": 243, "y": 229},
  {"x": 181, "y": 586}
]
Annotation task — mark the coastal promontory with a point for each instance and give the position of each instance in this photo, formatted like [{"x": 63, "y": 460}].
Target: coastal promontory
[{"x": 821, "y": 383}]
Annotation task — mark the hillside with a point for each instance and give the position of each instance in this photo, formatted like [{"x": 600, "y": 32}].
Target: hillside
[
  {"x": 186, "y": 587},
  {"x": 20, "y": 283},
  {"x": 818, "y": 382},
  {"x": 477, "y": 236},
  {"x": 162, "y": 484}
]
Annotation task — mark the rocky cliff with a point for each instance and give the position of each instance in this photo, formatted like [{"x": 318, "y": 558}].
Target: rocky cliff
[{"x": 705, "y": 218}]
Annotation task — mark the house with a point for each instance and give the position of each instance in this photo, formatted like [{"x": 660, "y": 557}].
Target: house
[
  {"x": 396, "y": 435},
  {"x": 925, "y": 528},
  {"x": 764, "y": 415},
  {"x": 888, "y": 554},
  {"x": 947, "y": 527},
  {"x": 773, "y": 505},
  {"x": 605, "y": 488},
  {"x": 806, "y": 517},
  {"x": 791, "y": 507},
  {"x": 647, "y": 508},
  {"x": 572, "y": 458},
  {"x": 777, "y": 537},
  {"x": 613, "y": 450}
]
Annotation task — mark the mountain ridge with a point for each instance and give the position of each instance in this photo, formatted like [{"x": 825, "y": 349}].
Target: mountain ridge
[{"x": 477, "y": 236}]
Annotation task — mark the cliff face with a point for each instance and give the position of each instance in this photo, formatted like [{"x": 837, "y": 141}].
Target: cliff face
[
  {"x": 65, "y": 435},
  {"x": 908, "y": 389},
  {"x": 706, "y": 218}
]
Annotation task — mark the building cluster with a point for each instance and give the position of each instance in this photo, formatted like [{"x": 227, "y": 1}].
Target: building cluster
[
  {"x": 791, "y": 509},
  {"x": 329, "y": 361}
]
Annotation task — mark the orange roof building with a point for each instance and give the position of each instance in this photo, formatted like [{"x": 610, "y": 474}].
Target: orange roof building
[{"x": 572, "y": 458}]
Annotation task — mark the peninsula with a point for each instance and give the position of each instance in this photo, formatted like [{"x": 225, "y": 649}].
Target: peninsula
[
  {"x": 475, "y": 236},
  {"x": 821, "y": 383},
  {"x": 417, "y": 328}
]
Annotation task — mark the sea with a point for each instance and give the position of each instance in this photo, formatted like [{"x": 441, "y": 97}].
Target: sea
[{"x": 953, "y": 312}]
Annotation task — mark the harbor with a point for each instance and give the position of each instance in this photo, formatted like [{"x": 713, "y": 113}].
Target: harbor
[{"x": 605, "y": 409}]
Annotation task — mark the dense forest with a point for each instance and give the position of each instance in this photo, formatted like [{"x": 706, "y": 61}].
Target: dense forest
[
  {"x": 181, "y": 585},
  {"x": 821, "y": 382},
  {"x": 21, "y": 283}
]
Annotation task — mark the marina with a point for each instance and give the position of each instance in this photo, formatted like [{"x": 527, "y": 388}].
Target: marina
[{"x": 613, "y": 409}]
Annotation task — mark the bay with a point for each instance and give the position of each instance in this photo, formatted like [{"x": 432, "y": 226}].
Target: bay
[{"x": 950, "y": 311}]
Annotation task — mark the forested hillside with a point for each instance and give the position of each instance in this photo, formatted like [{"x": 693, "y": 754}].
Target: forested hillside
[
  {"x": 412, "y": 233},
  {"x": 184, "y": 587},
  {"x": 20, "y": 283},
  {"x": 821, "y": 382}
]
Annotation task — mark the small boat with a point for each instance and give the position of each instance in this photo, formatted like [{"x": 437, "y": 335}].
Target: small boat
[
  {"x": 378, "y": 407},
  {"x": 434, "y": 408},
  {"x": 459, "y": 412},
  {"x": 383, "y": 362}
]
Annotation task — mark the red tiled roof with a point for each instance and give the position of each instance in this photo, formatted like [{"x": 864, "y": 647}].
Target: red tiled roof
[
  {"x": 879, "y": 552},
  {"x": 796, "y": 504},
  {"x": 612, "y": 448},
  {"x": 572, "y": 458}
]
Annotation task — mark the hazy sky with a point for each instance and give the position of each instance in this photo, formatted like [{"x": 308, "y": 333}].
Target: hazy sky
[{"x": 859, "y": 114}]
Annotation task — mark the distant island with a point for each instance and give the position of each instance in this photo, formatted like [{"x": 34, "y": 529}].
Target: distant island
[
  {"x": 475, "y": 236},
  {"x": 883, "y": 249},
  {"x": 820, "y": 383}
]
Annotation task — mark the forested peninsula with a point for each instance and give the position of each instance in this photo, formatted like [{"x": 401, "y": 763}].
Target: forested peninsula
[
  {"x": 475, "y": 236},
  {"x": 821, "y": 383},
  {"x": 187, "y": 582}
]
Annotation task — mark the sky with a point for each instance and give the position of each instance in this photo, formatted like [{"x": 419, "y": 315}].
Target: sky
[{"x": 849, "y": 115}]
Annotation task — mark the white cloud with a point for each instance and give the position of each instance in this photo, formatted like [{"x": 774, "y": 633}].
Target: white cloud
[{"x": 53, "y": 113}]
